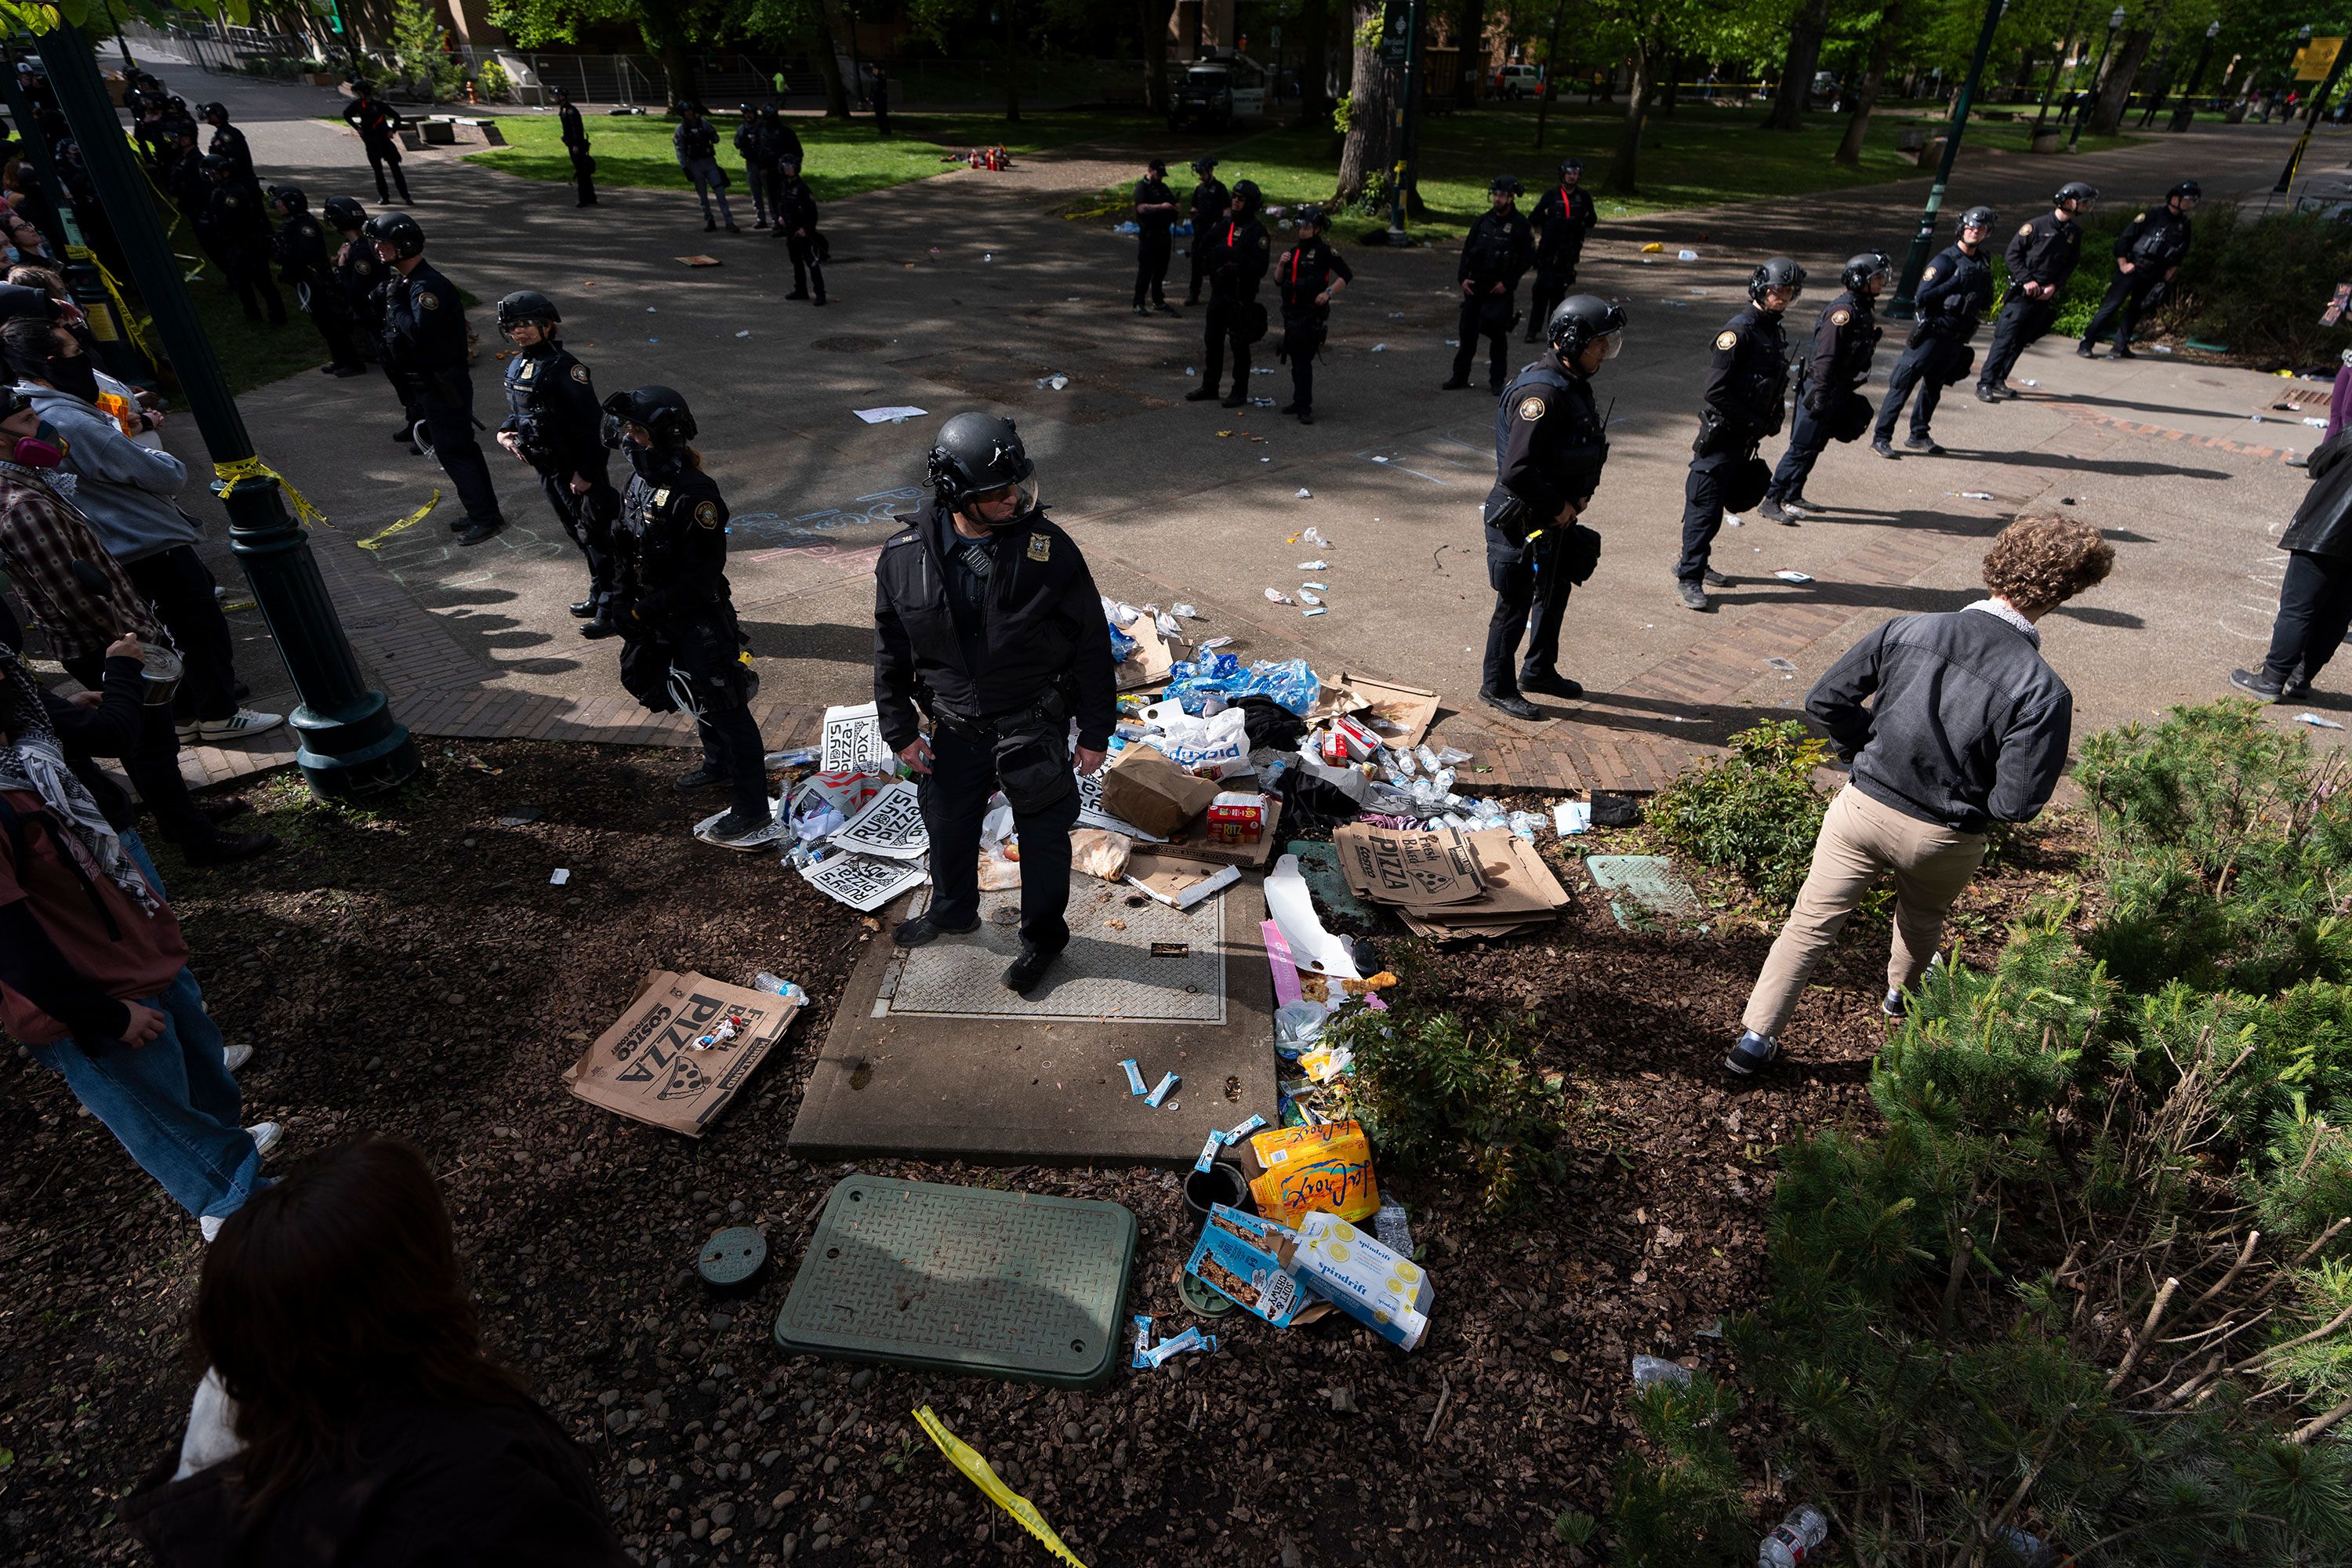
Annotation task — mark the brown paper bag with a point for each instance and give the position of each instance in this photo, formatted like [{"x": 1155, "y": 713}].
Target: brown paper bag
[{"x": 1145, "y": 788}]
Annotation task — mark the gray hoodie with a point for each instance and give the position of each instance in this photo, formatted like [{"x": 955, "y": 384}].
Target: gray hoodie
[{"x": 124, "y": 489}]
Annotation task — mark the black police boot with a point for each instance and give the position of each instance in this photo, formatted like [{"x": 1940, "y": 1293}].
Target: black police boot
[
  {"x": 1550, "y": 683},
  {"x": 922, "y": 929},
  {"x": 1801, "y": 506},
  {"x": 1510, "y": 703},
  {"x": 1692, "y": 595},
  {"x": 584, "y": 610},
  {"x": 2257, "y": 684},
  {"x": 1287, "y": 408},
  {"x": 797, "y": 294},
  {"x": 1200, "y": 394},
  {"x": 702, "y": 776},
  {"x": 710, "y": 226},
  {"x": 598, "y": 629},
  {"x": 1880, "y": 444},
  {"x": 1141, "y": 312},
  {"x": 1024, "y": 973},
  {"x": 1715, "y": 579},
  {"x": 482, "y": 530},
  {"x": 2084, "y": 351},
  {"x": 1986, "y": 394},
  {"x": 2123, "y": 351},
  {"x": 1307, "y": 417},
  {"x": 1924, "y": 444},
  {"x": 1240, "y": 398},
  {"x": 761, "y": 224},
  {"x": 1459, "y": 384},
  {"x": 732, "y": 229},
  {"x": 1770, "y": 511}
]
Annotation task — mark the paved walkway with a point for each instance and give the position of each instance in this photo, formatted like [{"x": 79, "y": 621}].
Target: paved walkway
[{"x": 966, "y": 289}]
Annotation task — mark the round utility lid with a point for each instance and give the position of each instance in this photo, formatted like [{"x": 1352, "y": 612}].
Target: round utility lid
[
  {"x": 1202, "y": 1298},
  {"x": 732, "y": 1256}
]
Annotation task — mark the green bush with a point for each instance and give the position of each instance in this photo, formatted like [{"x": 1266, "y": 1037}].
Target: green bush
[
  {"x": 1754, "y": 813},
  {"x": 493, "y": 83},
  {"x": 1679, "y": 1504},
  {"x": 416, "y": 51}
]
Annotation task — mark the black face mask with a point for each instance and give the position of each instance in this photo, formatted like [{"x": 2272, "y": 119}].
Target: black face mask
[
  {"x": 649, "y": 462},
  {"x": 74, "y": 375}
]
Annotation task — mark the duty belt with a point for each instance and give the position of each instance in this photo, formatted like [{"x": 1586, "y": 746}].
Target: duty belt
[{"x": 987, "y": 731}]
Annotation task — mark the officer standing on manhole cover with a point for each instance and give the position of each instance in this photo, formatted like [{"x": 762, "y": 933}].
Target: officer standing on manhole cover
[
  {"x": 555, "y": 424},
  {"x": 986, "y": 619}
]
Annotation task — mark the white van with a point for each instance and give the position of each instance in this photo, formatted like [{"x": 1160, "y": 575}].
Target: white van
[{"x": 1518, "y": 82}]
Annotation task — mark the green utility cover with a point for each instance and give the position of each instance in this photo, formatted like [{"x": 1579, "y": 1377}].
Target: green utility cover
[
  {"x": 1650, "y": 881},
  {"x": 731, "y": 1257},
  {"x": 963, "y": 1279}
]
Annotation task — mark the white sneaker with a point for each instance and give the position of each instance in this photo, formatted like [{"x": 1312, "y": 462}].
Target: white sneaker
[
  {"x": 236, "y": 1056},
  {"x": 210, "y": 1224},
  {"x": 241, "y": 725},
  {"x": 266, "y": 1136}
]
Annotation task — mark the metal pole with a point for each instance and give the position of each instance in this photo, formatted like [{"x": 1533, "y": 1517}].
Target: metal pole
[
  {"x": 2310, "y": 121},
  {"x": 1550, "y": 71},
  {"x": 1409, "y": 147},
  {"x": 2185, "y": 110},
  {"x": 2083, "y": 110},
  {"x": 1906, "y": 301},
  {"x": 351, "y": 744}
]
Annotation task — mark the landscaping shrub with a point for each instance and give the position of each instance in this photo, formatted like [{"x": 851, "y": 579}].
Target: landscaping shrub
[
  {"x": 1684, "y": 1506},
  {"x": 1754, "y": 813},
  {"x": 492, "y": 84},
  {"x": 417, "y": 48}
]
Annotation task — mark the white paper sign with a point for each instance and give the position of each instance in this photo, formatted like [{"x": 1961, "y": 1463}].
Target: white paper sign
[
  {"x": 853, "y": 742},
  {"x": 891, "y": 825},
  {"x": 864, "y": 882},
  {"x": 893, "y": 414}
]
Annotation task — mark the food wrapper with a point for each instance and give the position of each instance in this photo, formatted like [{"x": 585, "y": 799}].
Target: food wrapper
[
  {"x": 1385, "y": 1291},
  {"x": 1247, "y": 1260},
  {"x": 1310, "y": 1169}
]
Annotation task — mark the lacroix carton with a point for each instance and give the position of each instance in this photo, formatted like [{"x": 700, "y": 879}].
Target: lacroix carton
[{"x": 1309, "y": 1169}]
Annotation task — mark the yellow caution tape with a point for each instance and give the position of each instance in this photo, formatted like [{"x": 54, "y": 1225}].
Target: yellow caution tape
[
  {"x": 981, "y": 1475},
  {"x": 235, "y": 473},
  {"x": 134, "y": 326},
  {"x": 410, "y": 521}
]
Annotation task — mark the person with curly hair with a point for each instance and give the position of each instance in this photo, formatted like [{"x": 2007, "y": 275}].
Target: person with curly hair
[{"x": 1965, "y": 725}]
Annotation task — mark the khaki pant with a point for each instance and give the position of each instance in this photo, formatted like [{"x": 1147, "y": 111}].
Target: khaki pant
[{"x": 1860, "y": 839}]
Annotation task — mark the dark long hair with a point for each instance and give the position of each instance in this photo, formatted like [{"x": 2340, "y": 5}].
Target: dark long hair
[{"x": 330, "y": 1295}]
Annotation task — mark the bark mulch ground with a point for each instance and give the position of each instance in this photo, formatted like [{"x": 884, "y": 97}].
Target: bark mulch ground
[{"x": 410, "y": 971}]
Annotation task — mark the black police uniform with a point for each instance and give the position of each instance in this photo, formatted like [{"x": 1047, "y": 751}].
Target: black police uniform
[
  {"x": 552, "y": 411},
  {"x": 1746, "y": 379},
  {"x": 425, "y": 352},
  {"x": 1239, "y": 252},
  {"x": 2042, "y": 251},
  {"x": 1154, "y": 243},
  {"x": 1305, "y": 271},
  {"x": 676, "y": 613},
  {"x": 778, "y": 144},
  {"x": 191, "y": 190},
  {"x": 1497, "y": 250},
  {"x": 1211, "y": 202},
  {"x": 360, "y": 274},
  {"x": 242, "y": 238},
  {"x": 1549, "y": 447},
  {"x": 229, "y": 143},
  {"x": 1564, "y": 215},
  {"x": 306, "y": 268},
  {"x": 177, "y": 122},
  {"x": 575, "y": 141},
  {"x": 796, "y": 221},
  {"x": 2154, "y": 242},
  {"x": 752, "y": 150},
  {"x": 1954, "y": 294},
  {"x": 378, "y": 124},
  {"x": 1000, "y": 641},
  {"x": 1846, "y": 337}
]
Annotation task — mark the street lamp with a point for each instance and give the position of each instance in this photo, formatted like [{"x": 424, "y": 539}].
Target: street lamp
[
  {"x": 2083, "y": 110},
  {"x": 2185, "y": 110},
  {"x": 351, "y": 747},
  {"x": 1906, "y": 304}
]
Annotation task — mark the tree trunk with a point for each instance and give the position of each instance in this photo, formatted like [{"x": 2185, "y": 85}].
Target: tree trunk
[
  {"x": 2107, "y": 113},
  {"x": 2057, "y": 64},
  {"x": 1371, "y": 111},
  {"x": 1666, "y": 93},
  {"x": 840, "y": 91},
  {"x": 1810, "y": 24},
  {"x": 1471, "y": 56},
  {"x": 1011, "y": 59},
  {"x": 1874, "y": 82},
  {"x": 1315, "y": 43},
  {"x": 1622, "y": 173},
  {"x": 1155, "y": 54}
]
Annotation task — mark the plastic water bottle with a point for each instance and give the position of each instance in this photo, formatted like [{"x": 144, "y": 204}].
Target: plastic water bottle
[
  {"x": 1793, "y": 1539},
  {"x": 1649, "y": 1369},
  {"x": 777, "y": 986}
]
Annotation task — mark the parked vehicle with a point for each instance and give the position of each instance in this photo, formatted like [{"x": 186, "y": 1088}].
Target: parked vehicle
[
  {"x": 1217, "y": 91},
  {"x": 1518, "y": 82}
]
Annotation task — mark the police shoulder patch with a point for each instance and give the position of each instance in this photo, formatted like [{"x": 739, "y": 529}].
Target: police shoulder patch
[
  {"x": 905, "y": 538},
  {"x": 228, "y": 200},
  {"x": 579, "y": 374},
  {"x": 1531, "y": 408},
  {"x": 1725, "y": 339},
  {"x": 1928, "y": 275},
  {"x": 1840, "y": 318},
  {"x": 706, "y": 515},
  {"x": 1041, "y": 546},
  {"x": 2026, "y": 230},
  {"x": 430, "y": 300}
]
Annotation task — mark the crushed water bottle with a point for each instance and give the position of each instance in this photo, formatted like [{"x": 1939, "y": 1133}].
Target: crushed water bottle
[
  {"x": 1793, "y": 1539},
  {"x": 777, "y": 986},
  {"x": 1392, "y": 1226},
  {"x": 1650, "y": 1369}
]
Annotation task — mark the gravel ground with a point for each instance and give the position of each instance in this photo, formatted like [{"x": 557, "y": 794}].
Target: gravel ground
[{"x": 412, "y": 972}]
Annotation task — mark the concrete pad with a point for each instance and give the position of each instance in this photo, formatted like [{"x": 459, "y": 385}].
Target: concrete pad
[{"x": 929, "y": 1056}]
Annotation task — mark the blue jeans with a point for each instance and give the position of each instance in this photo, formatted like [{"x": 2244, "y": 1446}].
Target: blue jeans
[{"x": 170, "y": 1102}]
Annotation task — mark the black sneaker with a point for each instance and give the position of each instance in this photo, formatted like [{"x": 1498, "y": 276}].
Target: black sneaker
[
  {"x": 1715, "y": 579},
  {"x": 922, "y": 929},
  {"x": 1751, "y": 1053},
  {"x": 1238, "y": 400},
  {"x": 702, "y": 776},
  {"x": 1770, "y": 510},
  {"x": 2257, "y": 685},
  {"x": 1986, "y": 394},
  {"x": 2084, "y": 351},
  {"x": 1200, "y": 394},
  {"x": 482, "y": 532},
  {"x": 1925, "y": 444},
  {"x": 742, "y": 830},
  {"x": 224, "y": 848},
  {"x": 1882, "y": 448},
  {"x": 1550, "y": 683},
  {"x": 1801, "y": 506},
  {"x": 1307, "y": 417},
  {"x": 1510, "y": 703},
  {"x": 710, "y": 226},
  {"x": 1024, "y": 973},
  {"x": 1141, "y": 312},
  {"x": 1459, "y": 384},
  {"x": 1692, "y": 595},
  {"x": 732, "y": 229},
  {"x": 2123, "y": 351},
  {"x": 1894, "y": 1005},
  {"x": 1287, "y": 408},
  {"x": 598, "y": 629}
]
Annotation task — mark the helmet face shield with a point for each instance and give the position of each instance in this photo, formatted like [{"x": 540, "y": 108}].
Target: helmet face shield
[
  {"x": 1615, "y": 342},
  {"x": 1003, "y": 506}
]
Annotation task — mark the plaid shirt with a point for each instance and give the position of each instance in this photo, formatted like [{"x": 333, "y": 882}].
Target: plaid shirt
[{"x": 41, "y": 535}]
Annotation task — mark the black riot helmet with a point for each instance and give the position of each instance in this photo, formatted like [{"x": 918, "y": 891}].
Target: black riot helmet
[
  {"x": 1507, "y": 183},
  {"x": 1204, "y": 167},
  {"x": 660, "y": 412},
  {"x": 213, "y": 113},
  {"x": 563, "y": 95},
  {"x": 1571, "y": 166},
  {"x": 2188, "y": 188},
  {"x": 290, "y": 198},
  {"x": 2076, "y": 191},
  {"x": 979, "y": 456},
  {"x": 345, "y": 212},
  {"x": 215, "y": 166},
  {"x": 1580, "y": 318},
  {"x": 400, "y": 231},
  {"x": 1981, "y": 218},
  {"x": 1861, "y": 269},
  {"x": 1246, "y": 193},
  {"x": 1311, "y": 217},
  {"x": 1778, "y": 273},
  {"x": 528, "y": 305}
]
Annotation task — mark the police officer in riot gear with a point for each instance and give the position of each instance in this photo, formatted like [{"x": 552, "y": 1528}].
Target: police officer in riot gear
[
  {"x": 682, "y": 648},
  {"x": 378, "y": 124},
  {"x": 753, "y": 149},
  {"x": 1210, "y": 203},
  {"x": 1238, "y": 254},
  {"x": 986, "y": 619},
  {"x": 1745, "y": 382},
  {"x": 575, "y": 142},
  {"x": 1155, "y": 221},
  {"x": 424, "y": 351},
  {"x": 229, "y": 143},
  {"x": 300, "y": 252},
  {"x": 2147, "y": 253},
  {"x": 2040, "y": 257},
  {"x": 1550, "y": 442},
  {"x": 242, "y": 238},
  {"x": 1828, "y": 408},
  {"x": 1309, "y": 274},
  {"x": 1495, "y": 254},
  {"x": 796, "y": 222},
  {"x": 1564, "y": 215},
  {"x": 555, "y": 424},
  {"x": 1954, "y": 294}
]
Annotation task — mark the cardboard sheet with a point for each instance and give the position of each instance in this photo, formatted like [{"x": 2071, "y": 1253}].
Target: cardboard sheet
[
  {"x": 647, "y": 1065},
  {"x": 1179, "y": 879},
  {"x": 1149, "y": 663},
  {"x": 1415, "y": 868},
  {"x": 1399, "y": 715},
  {"x": 1195, "y": 843}
]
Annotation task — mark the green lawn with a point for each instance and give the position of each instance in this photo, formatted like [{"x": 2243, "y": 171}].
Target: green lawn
[{"x": 844, "y": 158}]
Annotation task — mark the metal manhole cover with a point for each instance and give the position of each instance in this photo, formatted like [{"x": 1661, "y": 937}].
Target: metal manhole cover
[
  {"x": 851, "y": 343},
  {"x": 963, "y": 1279},
  {"x": 1107, "y": 972}
]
